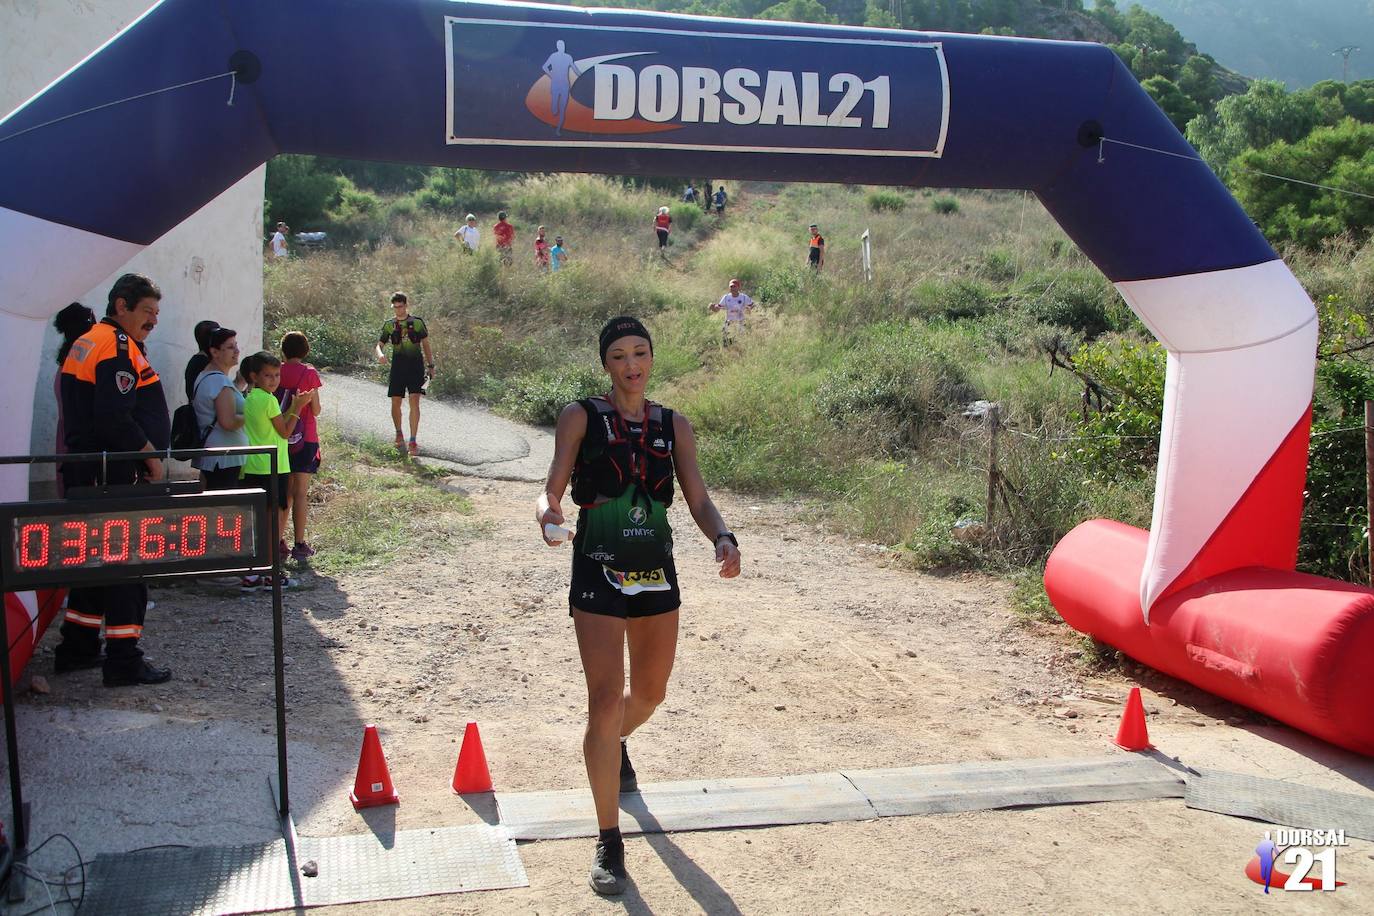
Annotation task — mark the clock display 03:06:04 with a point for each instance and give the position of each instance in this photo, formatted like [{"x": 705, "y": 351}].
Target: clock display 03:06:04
[{"x": 57, "y": 542}]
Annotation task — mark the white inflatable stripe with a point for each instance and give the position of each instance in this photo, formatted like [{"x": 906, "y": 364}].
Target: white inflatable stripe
[
  {"x": 1221, "y": 310},
  {"x": 1225, "y": 414},
  {"x": 45, "y": 265}
]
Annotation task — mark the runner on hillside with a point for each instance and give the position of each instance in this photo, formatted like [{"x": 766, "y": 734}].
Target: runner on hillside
[
  {"x": 621, "y": 452},
  {"x": 412, "y": 365},
  {"x": 719, "y": 200},
  {"x": 663, "y": 224},
  {"x": 557, "y": 254},
  {"x": 734, "y": 304}
]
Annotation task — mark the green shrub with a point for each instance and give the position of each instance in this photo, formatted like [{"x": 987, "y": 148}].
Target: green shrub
[
  {"x": 1085, "y": 306},
  {"x": 334, "y": 344},
  {"x": 1335, "y": 515},
  {"x": 881, "y": 200},
  {"x": 891, "y": 387},
  {"x": 964, "y": 298},
  {"x": 944, "y": 205},
  {"x": 1122, "y": 439},
  {"x": 538, "y": 397}
]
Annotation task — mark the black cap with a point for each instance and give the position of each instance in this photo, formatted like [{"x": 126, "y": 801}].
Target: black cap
[{"x": 623, "y": 326}]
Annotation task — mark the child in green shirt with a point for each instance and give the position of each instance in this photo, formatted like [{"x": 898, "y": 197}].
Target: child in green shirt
[{"x": 266, "y": 424}]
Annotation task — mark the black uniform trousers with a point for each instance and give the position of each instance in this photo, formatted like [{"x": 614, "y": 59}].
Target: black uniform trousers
[{"x": 121, "y": 606}]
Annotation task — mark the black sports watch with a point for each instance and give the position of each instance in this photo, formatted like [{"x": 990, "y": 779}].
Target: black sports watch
[{"x": 727, "y": 534}]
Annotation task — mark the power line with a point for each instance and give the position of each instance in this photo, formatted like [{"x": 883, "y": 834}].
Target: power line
[{"x": 1101, "y": 158}]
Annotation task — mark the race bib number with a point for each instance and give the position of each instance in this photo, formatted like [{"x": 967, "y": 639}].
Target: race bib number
[{"x": 632, "y": 583}]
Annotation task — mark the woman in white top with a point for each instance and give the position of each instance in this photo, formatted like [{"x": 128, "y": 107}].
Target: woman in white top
[{"x": 219, "y": 408}]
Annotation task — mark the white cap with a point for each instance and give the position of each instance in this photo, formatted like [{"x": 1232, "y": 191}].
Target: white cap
[{"x": 469, "y": 216}]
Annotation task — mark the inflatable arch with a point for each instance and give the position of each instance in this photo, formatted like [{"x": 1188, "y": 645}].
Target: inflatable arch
[{"x": 1208, "y": 595}]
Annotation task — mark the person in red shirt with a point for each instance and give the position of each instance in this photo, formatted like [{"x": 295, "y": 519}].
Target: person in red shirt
[
  {"x": 662, "y": 225},
  {"x": 504, "y": 233}
]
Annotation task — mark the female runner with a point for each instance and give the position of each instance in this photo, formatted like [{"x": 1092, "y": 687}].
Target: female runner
[{"x": 621, "y": 453}]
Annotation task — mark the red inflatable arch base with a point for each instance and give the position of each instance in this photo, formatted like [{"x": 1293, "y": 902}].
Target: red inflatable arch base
[
  {"x": 27, "y": 614},
  {"x": 1295, "y": 647}
]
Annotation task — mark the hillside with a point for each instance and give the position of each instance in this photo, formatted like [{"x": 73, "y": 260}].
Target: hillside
[{"x": 1278, "y": 39}]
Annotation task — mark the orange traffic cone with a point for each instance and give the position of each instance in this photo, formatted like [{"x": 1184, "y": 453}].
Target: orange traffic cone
[
  {"x": 1132, "y": 734},
  {"x": 373, "y": 785},
  {"x": 471, "y": 774}
]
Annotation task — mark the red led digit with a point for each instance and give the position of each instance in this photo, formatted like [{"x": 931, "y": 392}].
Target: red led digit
[
  {"x": 115, "y": 531},
  {"x": 224, "y": 531},
  {"x": 73, "y": 547},
  {"x": 193, "y": 530},
  {"x": 33, "y": 547},
  {"x": 151, "y": 546}
]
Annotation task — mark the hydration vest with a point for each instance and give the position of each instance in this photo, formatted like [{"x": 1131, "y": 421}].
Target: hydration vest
[
  {"x": 410, "y": 330},
  {"x": 611, "y": 459}
]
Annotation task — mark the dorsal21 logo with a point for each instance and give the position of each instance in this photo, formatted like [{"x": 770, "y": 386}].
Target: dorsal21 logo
[{"x": 1294, "y": 847}]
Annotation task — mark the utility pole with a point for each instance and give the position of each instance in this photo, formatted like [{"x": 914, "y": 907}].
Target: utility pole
[{"x": 1345, "y": 53}]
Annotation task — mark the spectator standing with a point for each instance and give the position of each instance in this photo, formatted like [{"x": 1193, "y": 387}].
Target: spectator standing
[
  {"x": 267, "y": 424},
  {"x": 197, "y": 363},
  {"x": 541, "y": 249},
  {"x": 303, "y": 445},
  {"x": 112, "y": 400},
  {"x": 734, "y": 303},
  {"x": 72, "y": 323},
  {"x": 412, "y": 365},
  {"x": 469, "y": 234},
  {"x": 279, "y": 241},
  {"x": 663, "y": 224},
  {"x": 816, "y": 252},
  {"x": 504, "y": 233},
  {"x": 557, "y": 254},
  {"x": 218, "y": 404},
  {"x": 720, "y": 198}
]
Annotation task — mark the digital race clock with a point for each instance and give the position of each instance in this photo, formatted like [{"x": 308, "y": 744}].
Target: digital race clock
[{"x": 70, "y": 542}]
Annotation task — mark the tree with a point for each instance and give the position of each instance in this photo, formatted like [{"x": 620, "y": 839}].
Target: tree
[
  {"x": 1264, "y": 114},
  {"x": 797, "y": 11},
  {"x": 298, "y": 192},
  {"x": 1197, "y": 79},
  {"x": 1338, "y": 157},
  {"x": 1171, "y": 100}
]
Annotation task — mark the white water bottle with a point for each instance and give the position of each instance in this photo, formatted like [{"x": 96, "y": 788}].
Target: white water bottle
[{"x": 556, "y": 532}]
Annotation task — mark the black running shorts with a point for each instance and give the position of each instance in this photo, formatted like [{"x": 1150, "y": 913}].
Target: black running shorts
[
  {"x": 407, "y": 377},
  {"x": 592, "y": 591}
]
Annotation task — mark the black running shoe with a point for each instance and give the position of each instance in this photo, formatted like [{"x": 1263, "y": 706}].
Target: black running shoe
[
  {"x": 628, "y": 781},
  {"x": 64, "y": 662},
  {"x": 135, "y": 675},
  {"x": 608, "y": 869}
]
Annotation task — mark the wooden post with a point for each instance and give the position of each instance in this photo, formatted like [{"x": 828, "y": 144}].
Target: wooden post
[
  {"x": 992, "y": 466},
  {"x": 1369, "y": 479}
]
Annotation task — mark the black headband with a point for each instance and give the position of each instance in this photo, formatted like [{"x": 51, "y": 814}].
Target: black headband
[{"x": 624, "y": 326}]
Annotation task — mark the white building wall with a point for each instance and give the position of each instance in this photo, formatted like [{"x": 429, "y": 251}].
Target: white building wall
[{"x": 210, "y": 266}]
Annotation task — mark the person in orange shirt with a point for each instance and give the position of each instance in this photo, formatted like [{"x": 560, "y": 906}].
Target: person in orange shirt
[
  {"x": 112, "y": 400},
  {"x": 816, "y": 254}
]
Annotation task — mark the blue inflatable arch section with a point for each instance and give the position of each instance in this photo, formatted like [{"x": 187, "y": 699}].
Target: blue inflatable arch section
[{"x": 543, "y": 88}]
